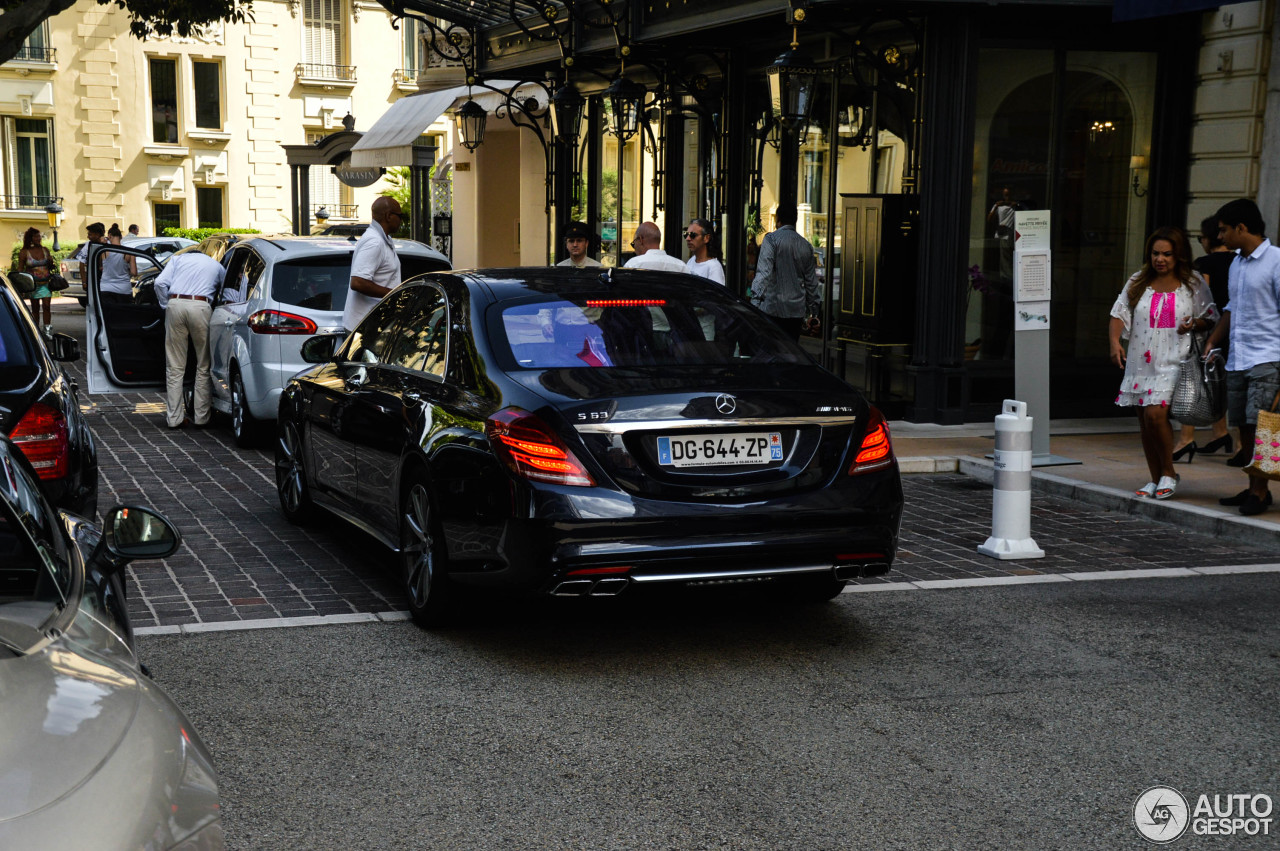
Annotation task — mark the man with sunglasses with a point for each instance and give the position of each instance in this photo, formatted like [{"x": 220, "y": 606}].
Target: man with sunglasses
[{"x": 375, "y": 268}]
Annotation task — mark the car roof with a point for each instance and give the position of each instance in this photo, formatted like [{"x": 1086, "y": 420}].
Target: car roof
[
  {"x": 320, "y": 245},
  {"x": 145, "y": 241},
  {"x": 519, "y": 281}
]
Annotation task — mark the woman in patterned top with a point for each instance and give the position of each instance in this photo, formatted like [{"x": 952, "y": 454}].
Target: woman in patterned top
[{"x": 1163, "y": 302}]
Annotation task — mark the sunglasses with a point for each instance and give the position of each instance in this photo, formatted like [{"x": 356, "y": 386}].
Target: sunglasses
[{"x": 690, "y": 234}]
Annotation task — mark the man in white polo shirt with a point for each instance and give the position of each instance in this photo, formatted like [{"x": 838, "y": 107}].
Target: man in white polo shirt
[
  {"x": 375, "y": 268},
  {"x": 185, "y": 289},
  {"x": 649, "y": 253}
]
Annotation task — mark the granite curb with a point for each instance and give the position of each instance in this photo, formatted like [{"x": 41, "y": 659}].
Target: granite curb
[{"x": 1243, "y": 530}]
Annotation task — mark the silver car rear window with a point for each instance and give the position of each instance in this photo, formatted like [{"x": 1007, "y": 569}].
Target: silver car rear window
[{"x": 322, "y": 283}]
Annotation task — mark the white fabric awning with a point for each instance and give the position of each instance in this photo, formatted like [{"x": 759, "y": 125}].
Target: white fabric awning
[{"x": 389, "y": 142}]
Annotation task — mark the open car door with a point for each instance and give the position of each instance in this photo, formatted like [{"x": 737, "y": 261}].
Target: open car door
[{"x": 126, "y": 338}]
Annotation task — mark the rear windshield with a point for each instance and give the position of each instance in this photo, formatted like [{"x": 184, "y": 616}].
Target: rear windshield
[
  {"x": 605, "y": 331},
  {"x": 322, "y": 283}
]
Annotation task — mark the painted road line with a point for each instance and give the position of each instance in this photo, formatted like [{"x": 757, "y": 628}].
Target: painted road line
[{"x": 919, "y": 585}]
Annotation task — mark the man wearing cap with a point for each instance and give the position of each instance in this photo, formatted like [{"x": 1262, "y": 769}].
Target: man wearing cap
[{"x": 577, "y": 239}]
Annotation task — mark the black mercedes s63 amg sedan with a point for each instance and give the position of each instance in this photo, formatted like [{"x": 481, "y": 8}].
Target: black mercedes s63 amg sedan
[{"x": 582, "y": 432}]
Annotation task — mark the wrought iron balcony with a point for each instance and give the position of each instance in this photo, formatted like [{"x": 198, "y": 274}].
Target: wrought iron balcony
[
  {"x": 27, "y": 53},
  {"x": 338, "y": 211},
  {"x": 29, "y": 202},
  {"x": 326, "y": 73}
]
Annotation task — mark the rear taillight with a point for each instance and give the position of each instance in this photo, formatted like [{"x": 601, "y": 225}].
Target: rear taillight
[
  {"x": 876, "y": 451},
  {"x": 532, "y": 450},
  {"x": 279, "y": 322},
  {"x": 63, "y": 266},
  {"x": 41, "y": 434}
]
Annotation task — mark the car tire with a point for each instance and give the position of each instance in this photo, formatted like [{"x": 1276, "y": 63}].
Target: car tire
[
  {"x": 423, "y": 562},
  {"x": 291, "y": 475},
  {"x": 246, "y": 429}
]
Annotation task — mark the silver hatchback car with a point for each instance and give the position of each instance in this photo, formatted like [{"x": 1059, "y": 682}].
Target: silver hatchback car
[{"x": 279, "y": 292}]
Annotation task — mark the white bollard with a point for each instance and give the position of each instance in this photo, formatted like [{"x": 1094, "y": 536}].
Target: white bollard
[{"x": 1011, "y": 494}]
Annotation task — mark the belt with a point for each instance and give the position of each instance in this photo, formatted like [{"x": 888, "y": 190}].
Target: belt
[{"x": 194, "y": 297}]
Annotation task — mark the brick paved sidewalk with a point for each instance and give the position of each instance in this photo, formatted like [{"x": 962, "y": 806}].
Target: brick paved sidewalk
[{"x": 241, "y": 560}]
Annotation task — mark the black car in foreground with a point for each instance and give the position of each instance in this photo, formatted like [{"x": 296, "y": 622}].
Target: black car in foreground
[
  {"x": 580, "y": 432},
  {"x": 39, "y": 408}
]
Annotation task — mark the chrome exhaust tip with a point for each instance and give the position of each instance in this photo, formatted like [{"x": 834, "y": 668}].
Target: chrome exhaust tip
[
  {"x": 875, "y": 568},
  {"x": 573, "y": 588},
  {"x": 847, "y": 571},
  {"x": 610, "y": 587}
]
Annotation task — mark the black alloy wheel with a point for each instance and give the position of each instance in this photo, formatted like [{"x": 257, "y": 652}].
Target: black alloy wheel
[
  {"x": 291, "y": 477},
  {"x": 422, "y": 558},
  {"x": 245, "y": 428}
]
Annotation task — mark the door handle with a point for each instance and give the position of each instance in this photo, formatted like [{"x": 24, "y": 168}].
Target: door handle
[{"x": 413, "y": 396}]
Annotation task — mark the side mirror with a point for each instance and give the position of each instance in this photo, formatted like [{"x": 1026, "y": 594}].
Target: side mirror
[
  {"x": 64, "y": 347},
  {"x": 320, "y": 349},
  {"x": 23, "y": 283},
  {"x": 129, "y": 532}
]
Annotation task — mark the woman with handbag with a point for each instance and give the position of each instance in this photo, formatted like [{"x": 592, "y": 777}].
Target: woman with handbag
[
  {"x": 1159, "y": 306},
  {"x": 35, "y": 260}
]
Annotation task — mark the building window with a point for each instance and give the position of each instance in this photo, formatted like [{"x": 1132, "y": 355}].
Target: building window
[
  {"x": 413, "y": 62},
  {"x": 164, "y": 100},
  {"x": 322, "y": 32},
  {"x": 209, "y": 206},
  {"x": 167, "y": 216},
  {"x": 30, "y": 163},
  {"x": 36, "y": 46},
  {"x": 326, "y": 190},
  {"x": 206, "y": 78}
]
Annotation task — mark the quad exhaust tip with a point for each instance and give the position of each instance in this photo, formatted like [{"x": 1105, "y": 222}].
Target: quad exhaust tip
[
  {"x": 855, "y": 571},
  {"x": 609, "y": 587}
]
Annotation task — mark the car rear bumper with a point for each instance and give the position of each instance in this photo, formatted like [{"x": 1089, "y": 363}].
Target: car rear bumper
[{"x": 589, "y": 536}]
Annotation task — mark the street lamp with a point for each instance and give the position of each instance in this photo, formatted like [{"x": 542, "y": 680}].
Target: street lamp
[
  {"x": 471, "y": 120},
  {"x": 54, "y": 212},
  {"x": 566, "y": 112},
  {"x": 626, "y": 98},
  {"x": 322, "y": 216},
  {"x": 791, "y": 83}
]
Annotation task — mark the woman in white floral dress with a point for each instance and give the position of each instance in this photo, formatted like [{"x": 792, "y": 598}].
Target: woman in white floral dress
[{"x": 1157, "y": 308}]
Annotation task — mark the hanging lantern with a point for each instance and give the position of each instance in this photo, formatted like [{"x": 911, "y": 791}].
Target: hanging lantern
[
  {"x": 566, "y": 112},
  {"x": 626, "y": 98},
  {"x": 791, "y": 82},
  {"x": 471, "y": 120}
]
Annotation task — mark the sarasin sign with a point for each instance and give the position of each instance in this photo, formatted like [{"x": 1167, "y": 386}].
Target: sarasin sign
[{"x": 357, "y": 176}]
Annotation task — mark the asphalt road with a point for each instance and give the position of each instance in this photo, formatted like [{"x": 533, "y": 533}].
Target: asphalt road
[{"x": 1027, "y": 716}]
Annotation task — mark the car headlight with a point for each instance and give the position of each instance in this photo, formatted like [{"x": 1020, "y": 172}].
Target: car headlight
[
  {"x": 208, "y": 838},
  {"x": 194, "y": 814}
]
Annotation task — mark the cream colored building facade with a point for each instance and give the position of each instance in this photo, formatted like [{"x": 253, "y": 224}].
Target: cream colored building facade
[{"x": 188, "y": 131}]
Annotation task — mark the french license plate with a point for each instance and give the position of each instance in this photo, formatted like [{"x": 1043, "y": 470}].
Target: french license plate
[{"x": 718, "y": 450}]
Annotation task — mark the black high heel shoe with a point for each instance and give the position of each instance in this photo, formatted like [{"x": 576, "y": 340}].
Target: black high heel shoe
[
  {"x": 1189, "y": 450},
  {"x": 1224, "y": 443}
]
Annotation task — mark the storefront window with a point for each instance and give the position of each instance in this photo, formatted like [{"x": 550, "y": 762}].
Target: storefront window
[{"x": 1055, "y": 131}]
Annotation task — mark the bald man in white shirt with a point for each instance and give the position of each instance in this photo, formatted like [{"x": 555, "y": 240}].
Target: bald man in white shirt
[
  {"x": 649, "y": 253},
  {"x": 375, "y": 267}
]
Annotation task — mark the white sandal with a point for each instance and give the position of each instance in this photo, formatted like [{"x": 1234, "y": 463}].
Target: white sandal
[
  {"x": 1146, "y": 491},
  {"x": 1168, "y": 484}
]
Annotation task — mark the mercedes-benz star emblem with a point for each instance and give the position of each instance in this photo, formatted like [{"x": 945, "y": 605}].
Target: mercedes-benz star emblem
[{"x": 726, "y": 404}]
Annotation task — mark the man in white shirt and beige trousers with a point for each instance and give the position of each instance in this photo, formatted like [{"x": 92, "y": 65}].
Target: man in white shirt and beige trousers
[{"x": 185, "y": 289}]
